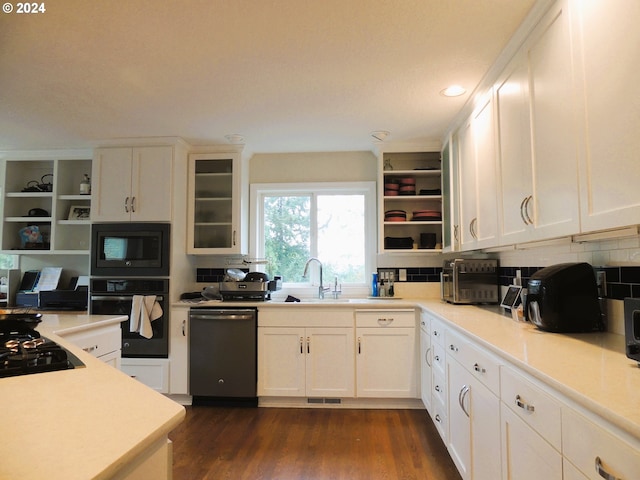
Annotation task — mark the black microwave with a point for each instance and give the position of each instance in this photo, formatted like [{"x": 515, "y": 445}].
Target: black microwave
[{"x": 125, "y": 249}]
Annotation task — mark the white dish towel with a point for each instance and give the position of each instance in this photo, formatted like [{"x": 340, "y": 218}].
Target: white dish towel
[{"x": 144, "y": 310}]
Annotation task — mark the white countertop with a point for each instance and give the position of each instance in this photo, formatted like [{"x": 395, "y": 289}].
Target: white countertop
[
  {"x": 82, "y": 423},
  {"x": 590, "y": 369}
]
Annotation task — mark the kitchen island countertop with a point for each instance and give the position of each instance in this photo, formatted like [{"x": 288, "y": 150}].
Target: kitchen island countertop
[{"x": 81, "y": 423}]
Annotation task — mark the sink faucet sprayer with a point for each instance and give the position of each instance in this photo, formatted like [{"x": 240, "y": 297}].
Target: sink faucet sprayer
[{"x": 321, "y": 288}]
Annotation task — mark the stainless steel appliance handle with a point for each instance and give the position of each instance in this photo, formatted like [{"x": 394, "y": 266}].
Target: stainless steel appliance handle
[
  {"x": 221, "y": 316},
  {"x": 119, "y": 298},
  {"x": 602, "y": 472}
]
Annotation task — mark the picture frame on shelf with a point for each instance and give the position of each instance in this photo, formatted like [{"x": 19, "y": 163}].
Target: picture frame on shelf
[{"x": 79, "y": 212}]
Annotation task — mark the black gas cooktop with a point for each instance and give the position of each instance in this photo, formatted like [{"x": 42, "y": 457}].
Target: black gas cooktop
[{"x": 24, "y": 351}]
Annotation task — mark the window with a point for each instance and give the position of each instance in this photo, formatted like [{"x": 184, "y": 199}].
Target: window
[{"x": 334, "y": 222}]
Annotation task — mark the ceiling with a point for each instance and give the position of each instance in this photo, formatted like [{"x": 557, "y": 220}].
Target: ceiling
[{"x": 287, "y": 75}]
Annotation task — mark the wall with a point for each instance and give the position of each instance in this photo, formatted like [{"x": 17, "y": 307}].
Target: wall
[{"x": 312, "y": 167}]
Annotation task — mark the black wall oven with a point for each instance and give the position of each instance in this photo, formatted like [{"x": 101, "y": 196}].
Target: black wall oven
[{"x": 111, "y": 296}]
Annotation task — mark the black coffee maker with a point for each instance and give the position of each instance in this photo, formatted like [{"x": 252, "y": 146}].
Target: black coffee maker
[{"x": 563, "y": 298}]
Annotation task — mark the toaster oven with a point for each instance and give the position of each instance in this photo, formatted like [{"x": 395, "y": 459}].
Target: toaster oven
[{"x": 470, "y": 281}]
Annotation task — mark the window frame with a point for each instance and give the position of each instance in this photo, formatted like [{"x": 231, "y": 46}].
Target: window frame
[{"x": 367, "y": 188}]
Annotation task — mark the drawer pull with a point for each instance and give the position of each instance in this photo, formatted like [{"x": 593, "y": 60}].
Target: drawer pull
[
  {"x": 90, "y": 349},
  {"x": 385, "y": 321},
  {"x": 437, "y": 358},
  {"x": 453, "y": 348},
  {"x": 438, "y": 419},
  {"x": 602, "y": 472},
  {"x": 525, "y": 406},
  {"x": 436, "y": 333},
  {"x": 437, "y": 388},
  {"x": 479, "y": 369}
]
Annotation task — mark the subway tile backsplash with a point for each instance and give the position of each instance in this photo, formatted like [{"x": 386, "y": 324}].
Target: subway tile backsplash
[{"x": 621, "y": 281}]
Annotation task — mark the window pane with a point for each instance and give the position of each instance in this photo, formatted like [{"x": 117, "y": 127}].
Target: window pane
[
  {"x": 341, "y": 242},
  {"x": 287, "y": 232}
]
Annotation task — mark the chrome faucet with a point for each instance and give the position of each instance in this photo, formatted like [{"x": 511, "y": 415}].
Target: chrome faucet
[{"x": 321, "y": 288}]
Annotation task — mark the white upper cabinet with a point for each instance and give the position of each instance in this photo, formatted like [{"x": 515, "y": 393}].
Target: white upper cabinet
[
  {"x": 132, "y": 184},
  {"x": 607, "y": 51},
  {"x": 215, "y": 203},
  {"x": 538, "y": 143},
  {"x": 478, "y": 182}
]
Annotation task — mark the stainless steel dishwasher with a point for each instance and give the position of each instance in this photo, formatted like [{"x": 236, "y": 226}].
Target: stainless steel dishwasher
[{"x": 223, "y": 356}]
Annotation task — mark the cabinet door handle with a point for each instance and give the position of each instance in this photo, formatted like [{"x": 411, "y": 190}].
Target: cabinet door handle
[
  {"x": 133, "y": 204},
  {"x": 455, "y": 232},
  {"x": 359, "y": 345},
  {"x": 526, "y": 209},
  {"x": 184, "y": 325},
  {"x": 301, "y": 345},
  {"x": 479, "y": 369},
  {"x": 525, "y": 406},
  {"x": 522, "y": 204},
  {"x": 602, "y": 472},
  {"x": 126, "y": 205},
  {"x": 308, "y": 345},
  {"x": 426, "y": 356},
  {"x": 463, "y": 393},
  {"x": 233, "y": 238}
]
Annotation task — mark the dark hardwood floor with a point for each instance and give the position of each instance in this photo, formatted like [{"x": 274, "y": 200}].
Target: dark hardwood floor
[{"x": 310, "y": 444}]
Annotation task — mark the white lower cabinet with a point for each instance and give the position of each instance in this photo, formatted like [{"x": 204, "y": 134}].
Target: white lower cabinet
[
  {"x": 153, "y": 372},
  {"x": 305, "y": 361},
  {"x": 596, "y": 451},
  {"x": 474, "y": 409},
  {"x": 426, "y": 361},
  {"x": 386, "y": 354},
  {"x": 525, "y": 454},
  {"x": 103, "y": 343},
  {"x": 179, "y": 351},
  {"x": 531, "y": 429},
  {"x": 308, "y": 362}
]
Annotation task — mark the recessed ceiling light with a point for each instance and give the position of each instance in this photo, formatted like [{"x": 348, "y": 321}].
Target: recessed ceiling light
[
  {"x": 235, "y": 139},
  {"x": 453, "y": 91},
  {"x": 380, "y": 135}
]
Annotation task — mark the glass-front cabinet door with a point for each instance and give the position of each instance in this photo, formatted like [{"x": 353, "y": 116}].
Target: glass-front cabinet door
[{"x": 214, "y": 204}]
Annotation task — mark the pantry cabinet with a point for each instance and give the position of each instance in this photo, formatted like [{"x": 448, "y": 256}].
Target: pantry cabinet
[
  {"x": 133, "y": 184},
  {"x": 607, "y": 40},
  {"x": 42, "y": 189},
  {"x": 216, "y": 198},
  {"x": 386, "y": 354},
  {"x": 410, "y": 192}
]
